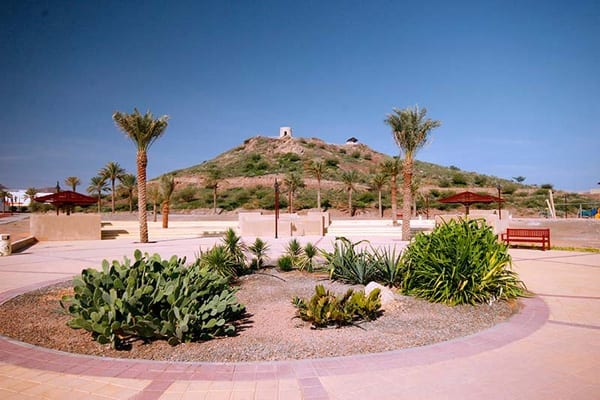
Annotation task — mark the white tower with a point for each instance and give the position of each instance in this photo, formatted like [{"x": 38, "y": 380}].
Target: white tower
[{"x": 285, "y": 131}]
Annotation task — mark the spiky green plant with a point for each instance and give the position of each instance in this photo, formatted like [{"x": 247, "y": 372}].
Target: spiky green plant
[
  {"x": 349, "y": 263},
  {"x": 220, "y": 260},
  {"x": 294, "y": 251},
  {"x": 259, "y": 250},
  {"x": 285, "y": 263},
  {"x": 234, "y": 245},
  {"x": 307, "y": 259},
  {"x": 388, "y": 262},
  {"x": 460, "y": 262}
]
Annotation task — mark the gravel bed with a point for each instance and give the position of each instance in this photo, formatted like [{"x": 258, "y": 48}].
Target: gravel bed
[{"x": 269, "y": 333}]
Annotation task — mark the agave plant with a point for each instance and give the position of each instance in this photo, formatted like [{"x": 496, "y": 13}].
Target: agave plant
[
  {"x": 219, "y": 259},
  {"x": 350, "y": 264},
  {"x": 234, "y": 245},
  {"x": 388, "y": 263}
]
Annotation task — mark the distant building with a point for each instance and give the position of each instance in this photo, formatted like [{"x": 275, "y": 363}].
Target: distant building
[
  {"x": 285, "y": 131},
  {"x": 352, "y": 140}
]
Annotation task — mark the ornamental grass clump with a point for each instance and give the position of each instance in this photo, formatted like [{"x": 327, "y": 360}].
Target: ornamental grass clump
[
  {"x": 152, "y": 299},
  {"x": 460, "y": 262},
  {"x": 350, "y": 264}
]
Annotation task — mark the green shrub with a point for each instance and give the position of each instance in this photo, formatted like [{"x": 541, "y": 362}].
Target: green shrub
[
  {"x": 285, "y": 263},
  {"x": 388, "y": 263},
  {"x": 325, "y": 308},
  {"x": 307, "y": 259},
  {"x": 459, "y": 263},
  {"x": 294, "y": 251},
  {"x": 348, "y": 264},
  {"x": 152, "y": 299}
]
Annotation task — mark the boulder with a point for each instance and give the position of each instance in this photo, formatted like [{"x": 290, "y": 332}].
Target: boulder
[{"x": 386, "y": 294}]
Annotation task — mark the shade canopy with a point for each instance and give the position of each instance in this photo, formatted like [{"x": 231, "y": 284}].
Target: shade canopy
[
  {"x": 67, "y": 198},
  {"x": 467, "y": 198}
]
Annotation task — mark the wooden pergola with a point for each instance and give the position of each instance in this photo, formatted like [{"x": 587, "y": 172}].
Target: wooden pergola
[
  {"x": 467, "y": 198},
  {"x": 66, "y": 199}
]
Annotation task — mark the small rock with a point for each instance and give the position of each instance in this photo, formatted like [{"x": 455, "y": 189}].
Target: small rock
[{"x": 387, "y": 296}]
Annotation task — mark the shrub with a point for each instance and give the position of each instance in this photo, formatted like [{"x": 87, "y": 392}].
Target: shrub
[
  {"x": 349, "y": 264},
  {"x": 152, "y": 299},
  {"x": 355, "y": 154},
  {"x": 285, "y": 263},
  {"x": 459, "y": 263},
  {"x": 307, "y": 259},
  {"x": 388, "y": 263},
  {"x": 325, "y": 308},
  {"x": 294, "y": 251}
]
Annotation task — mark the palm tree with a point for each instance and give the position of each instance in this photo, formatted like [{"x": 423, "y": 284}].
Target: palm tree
[
  {"x": 167, "y": 186},
  {"x": 316, "y": 168},
  {"x": 292, "y": 181},
  {"x": 112, "y": 171},
  {"x": 378, "y": 181},
  {"x": 72, "y": 181},
  {"x": 155, "y": 198},
  {"x": 391, "y": 168},
  {"x": 411, "y": 131},
  {"x": 143, "y": 130},
  {"x": 97, "y": 186},
  {"x": 128, "y": 184},
  {"x": 212, "y": 182},
  {"x": 30, "y": 194},
  {"x": 350, "y": 178}
]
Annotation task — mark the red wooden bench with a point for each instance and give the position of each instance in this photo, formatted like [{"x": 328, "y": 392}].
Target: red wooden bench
[{"x": 539, "y": 235}]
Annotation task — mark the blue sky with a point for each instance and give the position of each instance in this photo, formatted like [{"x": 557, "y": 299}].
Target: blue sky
[{"x": 516, "y": 84}]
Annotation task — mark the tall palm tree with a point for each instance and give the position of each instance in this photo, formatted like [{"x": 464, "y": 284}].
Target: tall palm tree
[
  {"x": 72, "y": 181},
  {"x": 350, "y": 178},
  {"x": 112, "y": 171},
  {"x": 143, "y": 130},
  {"x": 167, "y": 186},
  {"x": 316, "y": 168},
  {"x": 410, "y": 130},
  {"x": 154, "y": 197},
  {"x": 212, "y": 182},
  {"x": 292, "y": 181},
  {"x": 378, "y": 181},
  {"x": 392, "y": 168},
  {"x": 128, "y": 184},
  {"x": 30, "y": 194},
  {"x": 97, "y": 186}
]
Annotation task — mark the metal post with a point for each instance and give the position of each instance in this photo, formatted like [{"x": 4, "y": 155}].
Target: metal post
[
  {"x": 499, "y": 201},
  {"x": 276, "y": 206}
]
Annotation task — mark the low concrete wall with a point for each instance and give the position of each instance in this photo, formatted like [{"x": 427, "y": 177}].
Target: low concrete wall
[
  {"x": 491, "y": 219},
  {"x": 65, "y": 227},
  {"x": 256, "y": 224}
]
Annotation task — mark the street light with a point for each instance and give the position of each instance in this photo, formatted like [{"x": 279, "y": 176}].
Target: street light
[
  {"x": 276, "y": 186},
  {"x": 499, "y": 201}
]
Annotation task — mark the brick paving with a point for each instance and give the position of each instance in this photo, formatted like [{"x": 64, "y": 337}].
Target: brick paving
[{"x": 550, "y": 349}]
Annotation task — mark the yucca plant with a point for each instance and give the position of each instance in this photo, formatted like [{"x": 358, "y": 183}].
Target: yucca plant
[
  {"x": 349, "y": 264},
  {"x": 309, "y": 253},
  {"x": 460, "y": 262},
  {"x": 234, "y": 245},
  {"x": 294, "y": 251},
  {"x": 259, "y": 250},
  {"x": 219, "y": 259}
]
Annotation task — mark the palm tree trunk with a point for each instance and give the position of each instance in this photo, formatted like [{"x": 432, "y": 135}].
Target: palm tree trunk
[
  {"x": 394, "y": 190},
  {"x": 407, "y": 197},
  {"x": 319, "y": 194},
  {"x": 99, "y": 201},
  {"x": 290, "y": 201},
  {"x": 215, "y": 199},
  {"x": 350, "y": 202},
  {"x": 380, "y": 208},
  {"x": 154, "y": 211},
  {"x": 165, "y": 214},
  {"x": 142, "y": 162},
  {"x": 112, "y": 194}
]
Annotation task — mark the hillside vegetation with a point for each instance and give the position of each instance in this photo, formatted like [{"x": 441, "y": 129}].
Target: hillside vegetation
[{"x": 245, "y": 178}]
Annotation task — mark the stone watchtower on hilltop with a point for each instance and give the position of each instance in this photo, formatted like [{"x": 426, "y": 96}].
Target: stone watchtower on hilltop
[{"x": 285, "y": 131}]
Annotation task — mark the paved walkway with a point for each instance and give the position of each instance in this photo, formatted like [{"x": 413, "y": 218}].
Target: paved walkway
[{"x": 550, "y": 350}]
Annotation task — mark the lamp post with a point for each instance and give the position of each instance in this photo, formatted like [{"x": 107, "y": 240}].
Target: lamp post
[
  {"x": 499, "y": 201},
  {"x": 276, "y": 186}
]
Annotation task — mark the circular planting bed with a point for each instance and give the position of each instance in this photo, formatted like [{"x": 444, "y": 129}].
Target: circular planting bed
[{"x": 269, "y": 332}]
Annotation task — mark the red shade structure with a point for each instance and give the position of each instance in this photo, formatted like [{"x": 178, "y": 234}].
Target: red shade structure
[
  {"x": 67, "y": 199},
  {"x": 467, "y": 198}
]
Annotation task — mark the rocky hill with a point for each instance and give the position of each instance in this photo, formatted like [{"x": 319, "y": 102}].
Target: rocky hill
[{"x": 248, "y": 172}]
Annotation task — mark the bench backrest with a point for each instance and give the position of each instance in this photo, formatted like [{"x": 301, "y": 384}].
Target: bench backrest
[{"x": 520, "y": 232}]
